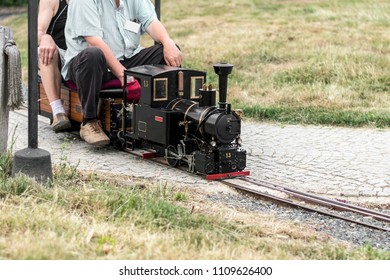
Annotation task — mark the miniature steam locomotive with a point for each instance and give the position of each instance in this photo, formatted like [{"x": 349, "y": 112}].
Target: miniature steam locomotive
[{"x": 176, "y": 117}]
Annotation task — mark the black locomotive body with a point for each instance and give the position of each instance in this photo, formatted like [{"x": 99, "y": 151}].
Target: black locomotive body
[{"x": 177, "y": 117}]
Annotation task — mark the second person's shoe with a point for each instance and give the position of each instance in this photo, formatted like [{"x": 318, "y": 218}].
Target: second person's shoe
[{"x": 60, "y": 122}]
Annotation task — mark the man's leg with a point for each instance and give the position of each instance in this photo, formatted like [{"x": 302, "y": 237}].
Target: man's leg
[
  {"x": 147, "y": 56},
  {"x": 87, "y": 70}
]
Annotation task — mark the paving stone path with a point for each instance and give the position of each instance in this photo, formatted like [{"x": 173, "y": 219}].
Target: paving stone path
[{"x": 349, "y": 163}]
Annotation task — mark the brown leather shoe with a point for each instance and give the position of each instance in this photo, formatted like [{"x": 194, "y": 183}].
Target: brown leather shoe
[
  {"x": 93, "y": 134},
  {"x": 60, "y": 122}
]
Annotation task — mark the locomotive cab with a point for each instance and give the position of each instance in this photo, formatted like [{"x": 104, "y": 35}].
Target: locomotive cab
[{"x": 161, "y": 83}]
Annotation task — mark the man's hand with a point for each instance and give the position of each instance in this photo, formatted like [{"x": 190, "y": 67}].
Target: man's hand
[
  {"x": 172, "y": 55},
  {"x": 47, "y": 49}
]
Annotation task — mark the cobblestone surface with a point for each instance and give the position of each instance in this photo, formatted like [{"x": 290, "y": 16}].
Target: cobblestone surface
[
  {"x": 342, "y": 162},
  {"x": 347, "y": 163}
]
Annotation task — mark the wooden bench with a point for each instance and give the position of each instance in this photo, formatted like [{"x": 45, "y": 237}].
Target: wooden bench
[{"x": 71, "y": 101}]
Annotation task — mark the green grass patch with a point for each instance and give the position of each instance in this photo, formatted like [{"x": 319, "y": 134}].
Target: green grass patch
[
  {"x": 324, "y": 116},
  {"x": 6, "y": 160}
]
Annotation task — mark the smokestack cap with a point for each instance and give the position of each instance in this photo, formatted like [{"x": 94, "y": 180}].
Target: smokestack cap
[{"x": 223, "y": 69}]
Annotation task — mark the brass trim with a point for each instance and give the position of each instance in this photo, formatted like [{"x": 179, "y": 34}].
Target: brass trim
[
  {"x": 166, "y": 89},
  {"x": 194, "y": 94},
  {"x": 174, "y": 105},
  {"x": 180, "y": 86},
  {"x": 201, "y": 119},
  {"x": 188, "y": 109}
]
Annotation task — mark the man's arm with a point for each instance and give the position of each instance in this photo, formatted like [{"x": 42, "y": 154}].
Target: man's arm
[
  {"x": 47, "y": 46},
  {"x": 172, "y": 55},
  {"x": 112, "y": 62}
]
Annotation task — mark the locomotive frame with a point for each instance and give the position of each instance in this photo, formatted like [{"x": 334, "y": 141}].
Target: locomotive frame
[{"x": 176, "y": 117}]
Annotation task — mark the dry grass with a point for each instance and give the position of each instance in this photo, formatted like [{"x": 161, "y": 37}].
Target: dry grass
[
  {"x": 83, "y": 215},
  {"x": 86, "y": 216},
  {"x": 299, "y": 55}
]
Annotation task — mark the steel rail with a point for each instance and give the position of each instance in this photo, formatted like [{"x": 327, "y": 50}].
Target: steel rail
[
  {"x": 292, "y": 203},
  {"x": 321, "y": 200}
]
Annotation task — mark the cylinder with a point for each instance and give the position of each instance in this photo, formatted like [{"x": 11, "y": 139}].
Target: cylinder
[{"x": 207, "y": 97}]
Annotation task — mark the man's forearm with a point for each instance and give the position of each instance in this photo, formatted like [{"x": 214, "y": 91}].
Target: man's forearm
[
  {"x": 158, "y": 32},
  {"x": 40, "y": 35}
]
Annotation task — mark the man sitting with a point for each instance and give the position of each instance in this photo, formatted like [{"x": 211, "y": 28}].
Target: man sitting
[{"x": 103, "y": 39}]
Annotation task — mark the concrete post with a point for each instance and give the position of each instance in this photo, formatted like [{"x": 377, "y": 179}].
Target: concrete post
[{"x": 5, "y": 35}]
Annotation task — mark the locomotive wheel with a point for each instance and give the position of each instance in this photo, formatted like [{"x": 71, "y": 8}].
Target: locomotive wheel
[{"x": 173, "y": 161}]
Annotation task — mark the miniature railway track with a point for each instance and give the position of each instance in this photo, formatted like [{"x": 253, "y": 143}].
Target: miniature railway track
[
  {"x": 299, "y": 196},
  {"x": 294, "y": 198}
]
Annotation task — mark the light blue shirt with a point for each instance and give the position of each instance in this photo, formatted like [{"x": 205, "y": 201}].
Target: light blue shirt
[{"x": 103, "y": 19}]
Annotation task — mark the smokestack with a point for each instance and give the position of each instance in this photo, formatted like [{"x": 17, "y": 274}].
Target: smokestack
[{"x": 223, "y": 70}]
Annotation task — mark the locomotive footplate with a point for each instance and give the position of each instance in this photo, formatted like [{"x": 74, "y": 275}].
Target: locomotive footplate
[
  {"x": 228, "y": 175},
  {"x": 144, "y": 154}
]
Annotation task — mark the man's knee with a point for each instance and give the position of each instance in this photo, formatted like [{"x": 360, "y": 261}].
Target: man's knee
[{"x": 93, "y": 56}]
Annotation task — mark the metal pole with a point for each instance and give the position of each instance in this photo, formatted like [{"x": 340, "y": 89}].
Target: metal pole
[
  {"x": 32, "y": 161},
  {"x": 157, "y": 6},
  {"x": 32, "y": 74}
]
